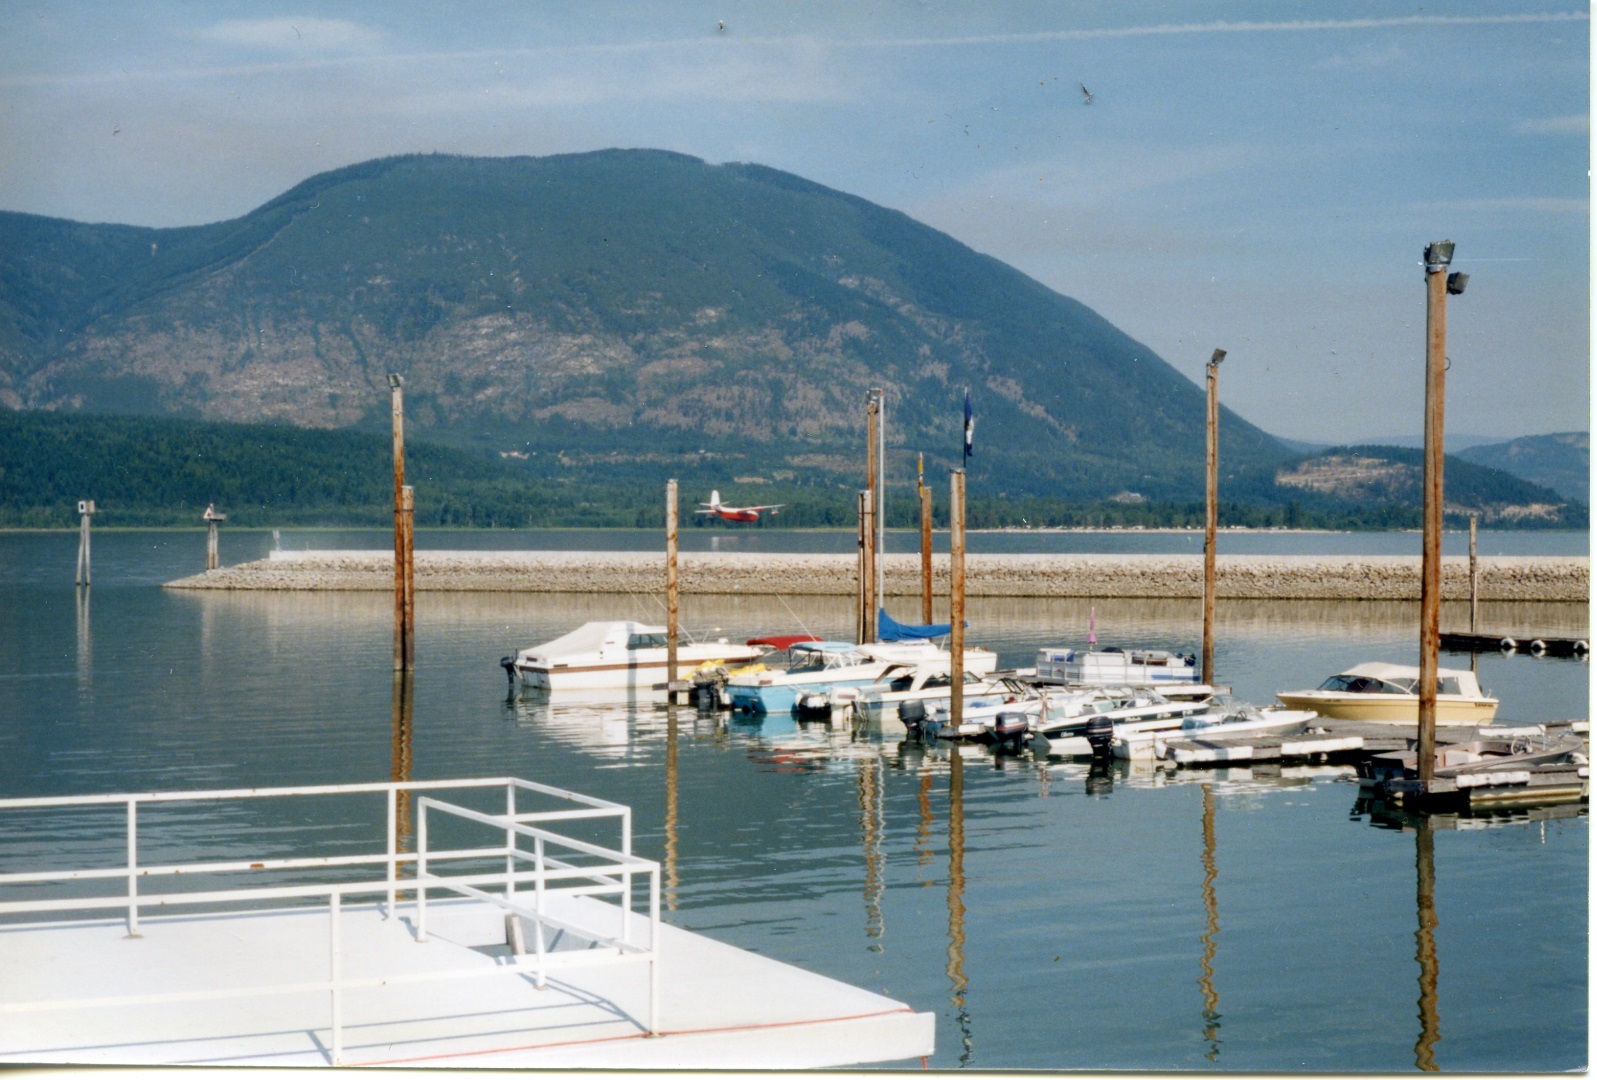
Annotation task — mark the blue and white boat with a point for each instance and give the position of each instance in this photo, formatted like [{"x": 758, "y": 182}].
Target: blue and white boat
[{"x": 823, "y": 666}]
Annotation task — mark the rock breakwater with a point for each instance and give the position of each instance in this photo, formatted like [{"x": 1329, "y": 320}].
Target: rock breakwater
[{"x": 1259, "y": 577}]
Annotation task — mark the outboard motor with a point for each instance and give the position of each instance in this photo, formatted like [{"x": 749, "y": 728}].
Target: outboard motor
[
  {"x": 1010, "y": 728},
  {"x": 1100, "y": 733},
  {"x": 509, "y": 664},
  {"x": 913, "y": 714},
  {"x": 706, "y": 693}
]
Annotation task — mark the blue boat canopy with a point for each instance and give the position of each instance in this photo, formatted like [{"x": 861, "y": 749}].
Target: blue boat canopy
[{"x": 890, "y": 629}]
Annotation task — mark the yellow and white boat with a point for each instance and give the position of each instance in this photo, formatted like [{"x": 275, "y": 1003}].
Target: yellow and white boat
[{"x": 1390, "y": 693}]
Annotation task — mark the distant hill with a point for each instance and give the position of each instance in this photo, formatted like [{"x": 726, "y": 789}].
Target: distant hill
[
  {"x": 1561, "y": 462},
  {"x": 626, "y": 315}
]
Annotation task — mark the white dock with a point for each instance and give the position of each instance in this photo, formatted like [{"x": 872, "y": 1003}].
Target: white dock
[{"x": 544, "y": 974}]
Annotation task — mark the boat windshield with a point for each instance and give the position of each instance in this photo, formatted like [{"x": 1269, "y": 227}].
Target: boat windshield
[
  {"x": 1367, "y": 684},
  {"x": 646, "y": 641}
]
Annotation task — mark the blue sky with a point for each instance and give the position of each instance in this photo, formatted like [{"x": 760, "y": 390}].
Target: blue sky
[{"x": 1261, "y": 177}]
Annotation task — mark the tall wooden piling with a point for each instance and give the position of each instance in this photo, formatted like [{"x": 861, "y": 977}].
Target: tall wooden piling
[
  {"x": 404, "y": 652},
  {"x": 1474, "y": 580},
  {"x": 85, "y": 512},
  {"x": 1211, "y": 512},
  {"x": 925, "y": 553},
  {"x": 1438, "y": 256},
  {"x": 956, "y": 595},
  {"x": 407, "y": 504},
  {"x": 670, "y": 588},
  {"x": 867, "y": 570}
]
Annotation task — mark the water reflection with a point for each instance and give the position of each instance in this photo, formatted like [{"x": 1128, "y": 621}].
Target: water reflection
[
  {"x": 1211, "y": 908},
  {"x": 868, "y": 780},
  {"x": 955, "y": 968},
  {"x": 672, "y": 877},
  {"x": 403, "y": 755},
  {"x": 1425, "y": 946},
  {"x": 85, "y": 648}
]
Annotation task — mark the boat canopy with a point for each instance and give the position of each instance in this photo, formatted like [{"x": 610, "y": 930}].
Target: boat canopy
[
  {"x": 1381, "y": 678},
  {"x": 594, "y": 636},
  {"x": 781, "y": 641},
  {"x": 890, "y": 629}
]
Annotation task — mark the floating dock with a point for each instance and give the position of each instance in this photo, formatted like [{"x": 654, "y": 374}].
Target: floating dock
[
  {"x": 1533, "y": 644},
  {"x": 520, "y": 953}
]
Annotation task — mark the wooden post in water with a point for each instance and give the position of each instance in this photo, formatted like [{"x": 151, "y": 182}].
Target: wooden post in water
[
  {"x": 869, "y": 599},
  {"x": 1474, "y": 581},
  {"x": 401, "y": 643},
  {"x": 85, "y": 511},
  {"x": 671, "y": 590},
  {"x": 956, "y": 595},
  {"x": 1438, "y": 257},
  {"x": 859, "y": 592},
  {"x": 407, "y": 505},
  {"x": 925, "y": 549},
  {"x": 1211, "y": 511},
  {"x": 873, "y": 419},
  {"x": 213, "y": 546}
]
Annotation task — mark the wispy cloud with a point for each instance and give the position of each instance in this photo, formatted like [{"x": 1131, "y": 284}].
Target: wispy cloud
[
  {"x": 292, "y": 34},
  {"x": 1574, "y": 124}
]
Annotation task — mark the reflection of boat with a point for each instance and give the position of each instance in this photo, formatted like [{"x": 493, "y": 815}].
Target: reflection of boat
[
  {"x": 1224, "y": 722},
  {"x": 818, "y": 666},
  {"x": 617, "y": 655},
  {"x": 1390, "y": 693},
  {"x": 1114, "y": 666}
]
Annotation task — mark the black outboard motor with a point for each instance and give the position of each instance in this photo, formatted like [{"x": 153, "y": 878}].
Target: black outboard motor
[
  {"x": 1100, "y": 733},
  {"x": 509, "y": 664},
  {"x": 1010, "y": 729},
  {"x": 913, "y": 714},
  {"x": 706, "y": 693}
]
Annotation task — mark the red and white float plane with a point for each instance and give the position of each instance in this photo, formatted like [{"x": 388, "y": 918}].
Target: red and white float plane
[{"x": 735, "y": 513}]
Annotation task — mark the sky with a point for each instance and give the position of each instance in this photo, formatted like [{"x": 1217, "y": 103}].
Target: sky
[{"x": 1261, "y": 177}]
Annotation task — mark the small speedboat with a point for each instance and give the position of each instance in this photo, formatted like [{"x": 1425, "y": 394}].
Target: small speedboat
[
  {"x": 1223, "y": 722},
  {"x": 619, "y": 655},
  {"x": 1114, "y": 666},
  {"x": 820, "y": 667},
  {"x": 1389, "y": 693}
]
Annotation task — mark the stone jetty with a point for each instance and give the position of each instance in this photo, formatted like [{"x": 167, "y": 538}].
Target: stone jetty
[{"x": 1258, "y": 577}]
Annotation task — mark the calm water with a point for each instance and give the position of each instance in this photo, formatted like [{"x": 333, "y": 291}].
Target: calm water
[{"x": 1052, "y": 917}]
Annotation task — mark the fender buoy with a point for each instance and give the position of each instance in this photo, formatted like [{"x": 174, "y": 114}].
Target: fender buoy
[
  {"x": 1508, "y": 644},
  {"x": 1581, "y": 648},
  {"x": 1538, "y": 647}
]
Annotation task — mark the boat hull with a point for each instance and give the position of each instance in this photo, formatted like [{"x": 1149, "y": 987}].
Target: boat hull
[
  {"x": 1451, "y": 710},
  {"x": 642, "y": 670}
]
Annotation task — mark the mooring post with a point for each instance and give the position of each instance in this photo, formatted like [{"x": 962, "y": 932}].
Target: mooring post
[
  {"x": 1474, "y": 580},
  {"x": 85, "y": 511},
  {"x": 1438, "y": 283},
  {"x": 671, "y": 613},
  {"x": 401, "y": 648},
  {"x": 956, "y": 596},
  {"x": 407, "y": 502},
  {"x": 870, "y": 601},
  {"x": 213, "y": 548},
  {"x": 1211, "y": 510},
  {"x": 925, "y": 552}
]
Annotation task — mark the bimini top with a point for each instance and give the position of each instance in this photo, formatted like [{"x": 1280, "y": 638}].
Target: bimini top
[{"x": 1381, "y": 678}]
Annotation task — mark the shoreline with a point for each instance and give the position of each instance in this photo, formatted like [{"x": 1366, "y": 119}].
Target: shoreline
[{"x": 1560, "y": 579}]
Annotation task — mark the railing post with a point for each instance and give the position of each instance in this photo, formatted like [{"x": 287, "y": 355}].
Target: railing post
[
  {"x": 133, "y": 868},
  {"x": 421, "y": 869},
  {"x": 510, "y": 841},
  {"x": 538, "y": 942},
  {"x": 654, "y": 951},
  {"x": 334, "y": 908}
]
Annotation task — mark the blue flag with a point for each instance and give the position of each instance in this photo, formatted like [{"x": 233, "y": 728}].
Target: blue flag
[{"x": 970, "y": 428}]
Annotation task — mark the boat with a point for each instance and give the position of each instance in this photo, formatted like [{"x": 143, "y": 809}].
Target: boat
[
  {"x": 1502, "y": 752},
  {"x": 1389, "y": 693},
  {"x": 921, "y": 681},
  {"x": 823, "y": 666},
  {"x": 619, "y": 655},
  {"x": 1114, "y": 666},
  {"x": 1225, "y": 721}
]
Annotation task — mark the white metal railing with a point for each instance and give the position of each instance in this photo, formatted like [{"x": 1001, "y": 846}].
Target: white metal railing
[{"x": 553, "y": 865}]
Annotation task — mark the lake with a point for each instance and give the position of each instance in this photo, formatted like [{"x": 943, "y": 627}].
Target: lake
[{"x": 1053, "y": 915}]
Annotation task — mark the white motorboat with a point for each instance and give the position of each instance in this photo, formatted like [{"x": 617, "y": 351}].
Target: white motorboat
[
  {"x": 1389, "y": 693},
  {"x": 618, "y": 656},
  {"x": 1114, "y": 666},
  {"x": 927, "y": 681},
  {"x": 824, "y": 666},
  {"x": 1148, "y": 744}
]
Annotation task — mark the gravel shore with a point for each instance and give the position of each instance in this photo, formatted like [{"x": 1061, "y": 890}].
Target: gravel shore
[{"x": 1261, "y": 577}]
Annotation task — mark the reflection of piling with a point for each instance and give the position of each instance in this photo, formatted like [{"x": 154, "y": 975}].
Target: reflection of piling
[
  {"x": 1211, "y": 908},
  {"x": 955, "y": 968},
  {"x": 85, "y": 511},
  {"x": 1425, "y": 945},
  {"x": 869, "y": 779},
  {"x": 400, "y": 757},
  {"x": 672, "y": 877}
]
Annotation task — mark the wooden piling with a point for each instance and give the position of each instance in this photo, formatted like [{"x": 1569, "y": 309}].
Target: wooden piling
[
  {"x": 407, "y": 503},
  {"x": 671, "y": 612},
  {"x": 868, "y": 598},
  {"x": 1211, "y": 513},
  {"x": 403, "y": 653},
  {"x": 213, "y": 547},
  {"x": 1474, "y": 580},
  {"x": 956, "y": 595},
  {"x": 85, "y": 511},
  {"x": 1436, "y": 262},
  {"x": 925, "y": 554}
]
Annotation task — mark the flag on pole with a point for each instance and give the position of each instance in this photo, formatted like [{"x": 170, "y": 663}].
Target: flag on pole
[{"x": 970, "y": 428}]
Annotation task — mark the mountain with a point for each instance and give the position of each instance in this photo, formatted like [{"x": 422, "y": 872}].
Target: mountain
[
  {"x": 1561, "y": 462},
  {"x": 621, "y": 313}
]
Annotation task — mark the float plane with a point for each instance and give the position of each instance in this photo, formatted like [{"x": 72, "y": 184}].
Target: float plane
[{"x": 735, "y": 513}]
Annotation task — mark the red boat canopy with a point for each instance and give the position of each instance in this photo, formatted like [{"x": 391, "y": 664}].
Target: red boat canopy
[{"x": 782, "y": 641}]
